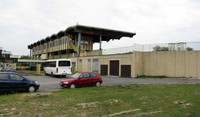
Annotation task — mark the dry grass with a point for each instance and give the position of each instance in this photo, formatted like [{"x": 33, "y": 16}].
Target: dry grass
[{"x": 109, "y": 101}]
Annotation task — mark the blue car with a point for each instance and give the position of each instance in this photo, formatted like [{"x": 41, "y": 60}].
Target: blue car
[{"x": 12, "y": 82}]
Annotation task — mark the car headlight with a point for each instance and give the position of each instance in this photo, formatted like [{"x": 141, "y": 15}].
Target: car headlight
[
  {"x": 36, "y": 82},
  {"x": 65, "y": 82}
]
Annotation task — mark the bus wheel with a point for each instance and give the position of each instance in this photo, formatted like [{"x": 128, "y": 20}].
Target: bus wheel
[
  {"x": 52, "y": 74},
  {"x": 46, "y": 74}
]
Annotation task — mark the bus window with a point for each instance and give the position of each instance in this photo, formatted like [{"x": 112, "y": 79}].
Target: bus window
[{"x": 63, "y": 63}]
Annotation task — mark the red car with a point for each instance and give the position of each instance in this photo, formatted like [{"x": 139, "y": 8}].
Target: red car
[{"x": 82, "y": 79}]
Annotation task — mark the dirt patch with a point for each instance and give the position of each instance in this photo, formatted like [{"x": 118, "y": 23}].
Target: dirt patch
[
  {"x": 147, "y": 113},
  {"x": 37, "y": 95},
  {"x": 7, "y": 111},
  {"x": 133, "y": 115},
  {"x": 96, "y": 103},
  {"x": 114, "y": 101},
  {"x": 183, "y": 103},
  {"x": 122, "y": 112},
  {"x": 88, "y": 105}
]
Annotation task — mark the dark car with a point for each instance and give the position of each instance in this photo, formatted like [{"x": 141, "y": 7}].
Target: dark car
[
  {"x": 12, "y": 82},
  {"x": 82, "y": 79}
]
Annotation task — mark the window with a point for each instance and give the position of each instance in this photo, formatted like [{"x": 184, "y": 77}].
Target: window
[
  {"x": 85, "y": 75},
  {"x": 45, "y": 46},
  {"x": 76, "y": 75},
  {"x": 15, "y": 77},
  {"x": 63, "y": 41},
  {"x": 64, "y": 63},
  {"x": 3, "y": 77},
  {"x": 54, "y": 43},
  {"x": 53, "y": 64},
  {"x": 66, "y": 40},
  {"x": 93, "y": 75},
  {"x": 50, "y": 64},
  {"x": 60, "y": 42}
]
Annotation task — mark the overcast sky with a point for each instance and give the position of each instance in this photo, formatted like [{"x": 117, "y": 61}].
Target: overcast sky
[{"x": 23, "y": 22}]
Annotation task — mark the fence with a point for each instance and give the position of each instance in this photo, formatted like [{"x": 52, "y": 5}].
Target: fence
[{"x": 182, "y": 46}]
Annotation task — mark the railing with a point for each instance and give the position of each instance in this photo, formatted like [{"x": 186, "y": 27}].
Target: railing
[
  {"x": 189, "y": 46},
  {"x": 117, "y": 50},
  {"x": 182, "y": 46},
  {"x": 63, "y": 56},
  {"x": 82, "y": 50},
  {"x": 94, "y": 53}
]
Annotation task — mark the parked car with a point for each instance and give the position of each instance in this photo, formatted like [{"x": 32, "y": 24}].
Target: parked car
[
  {"x": 82, "y": 79},
  {"x": 12, "y": 82}
]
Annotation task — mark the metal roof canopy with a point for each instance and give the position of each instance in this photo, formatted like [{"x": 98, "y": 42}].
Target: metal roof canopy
[
  {"x": 94, "y": 32},
  {"x": 107, "y": 34}
]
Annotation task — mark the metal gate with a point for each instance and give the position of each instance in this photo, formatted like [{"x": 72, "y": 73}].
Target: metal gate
[
  {"x": 104, "y": 69},
  {"x": 114, "y": 67},
  {"x": 95, "y": 65},
  {"x": 125, "y": 70},
  {"x": 89, "y": 65},
  {"x": 80, "y": 65}
]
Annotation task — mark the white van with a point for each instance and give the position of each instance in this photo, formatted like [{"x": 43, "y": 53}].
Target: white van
[{"x": 58, "y": 67}]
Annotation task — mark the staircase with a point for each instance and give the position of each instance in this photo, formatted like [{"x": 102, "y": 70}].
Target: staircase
[{"x": 74, "y": 47}]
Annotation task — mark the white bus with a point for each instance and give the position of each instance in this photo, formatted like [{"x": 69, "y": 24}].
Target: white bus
[{"x": 58, "y": 67}]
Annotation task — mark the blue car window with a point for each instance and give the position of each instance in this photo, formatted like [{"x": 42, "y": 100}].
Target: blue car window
[
  {"x": 85, "y": 75},
  {"x": 15, "y": 77},
  {"x": 3, "y": 77},
  {"x": 93, "y": 75}
]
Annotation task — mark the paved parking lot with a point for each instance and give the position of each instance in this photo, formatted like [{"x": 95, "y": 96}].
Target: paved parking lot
[{"x": 50, "y": 83}]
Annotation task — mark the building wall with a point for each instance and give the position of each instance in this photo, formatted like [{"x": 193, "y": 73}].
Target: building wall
[
  {"x": 125, "y": 59},
  {"x": 168, "y": 63},
  {"x": 137, "y": 64},
  {"x": 173, "y": 64}
]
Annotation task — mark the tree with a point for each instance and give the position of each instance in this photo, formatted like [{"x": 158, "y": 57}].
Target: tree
[
  {"x": 189, "y": 49},
  {"x": 25, "y": 57},
  {"x": 159, "y": 48}
]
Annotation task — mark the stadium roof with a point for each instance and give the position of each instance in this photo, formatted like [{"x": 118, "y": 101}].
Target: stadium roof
[{"x": 95, "y": 32}]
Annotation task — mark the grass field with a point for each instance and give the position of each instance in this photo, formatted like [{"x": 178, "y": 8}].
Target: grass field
[{"x": 106, "y": 101}]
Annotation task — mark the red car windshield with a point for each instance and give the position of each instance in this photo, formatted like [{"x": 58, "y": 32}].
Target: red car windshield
[{"x": 76, "y": 75}]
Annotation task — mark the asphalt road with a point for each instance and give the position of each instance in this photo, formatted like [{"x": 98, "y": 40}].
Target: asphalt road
[{"x": 50, "y": 83}]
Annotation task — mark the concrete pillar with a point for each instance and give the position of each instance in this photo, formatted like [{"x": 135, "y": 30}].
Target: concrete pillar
[
  {"x": 79, "y": 44},
  {"x": 38, "y": 67},
  {"x": 100, "y": 41},
  {"x": 31, "y": 53}
]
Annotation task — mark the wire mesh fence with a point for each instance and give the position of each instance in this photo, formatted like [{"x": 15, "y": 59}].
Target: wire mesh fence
[{"x": 182, "y": 46}]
